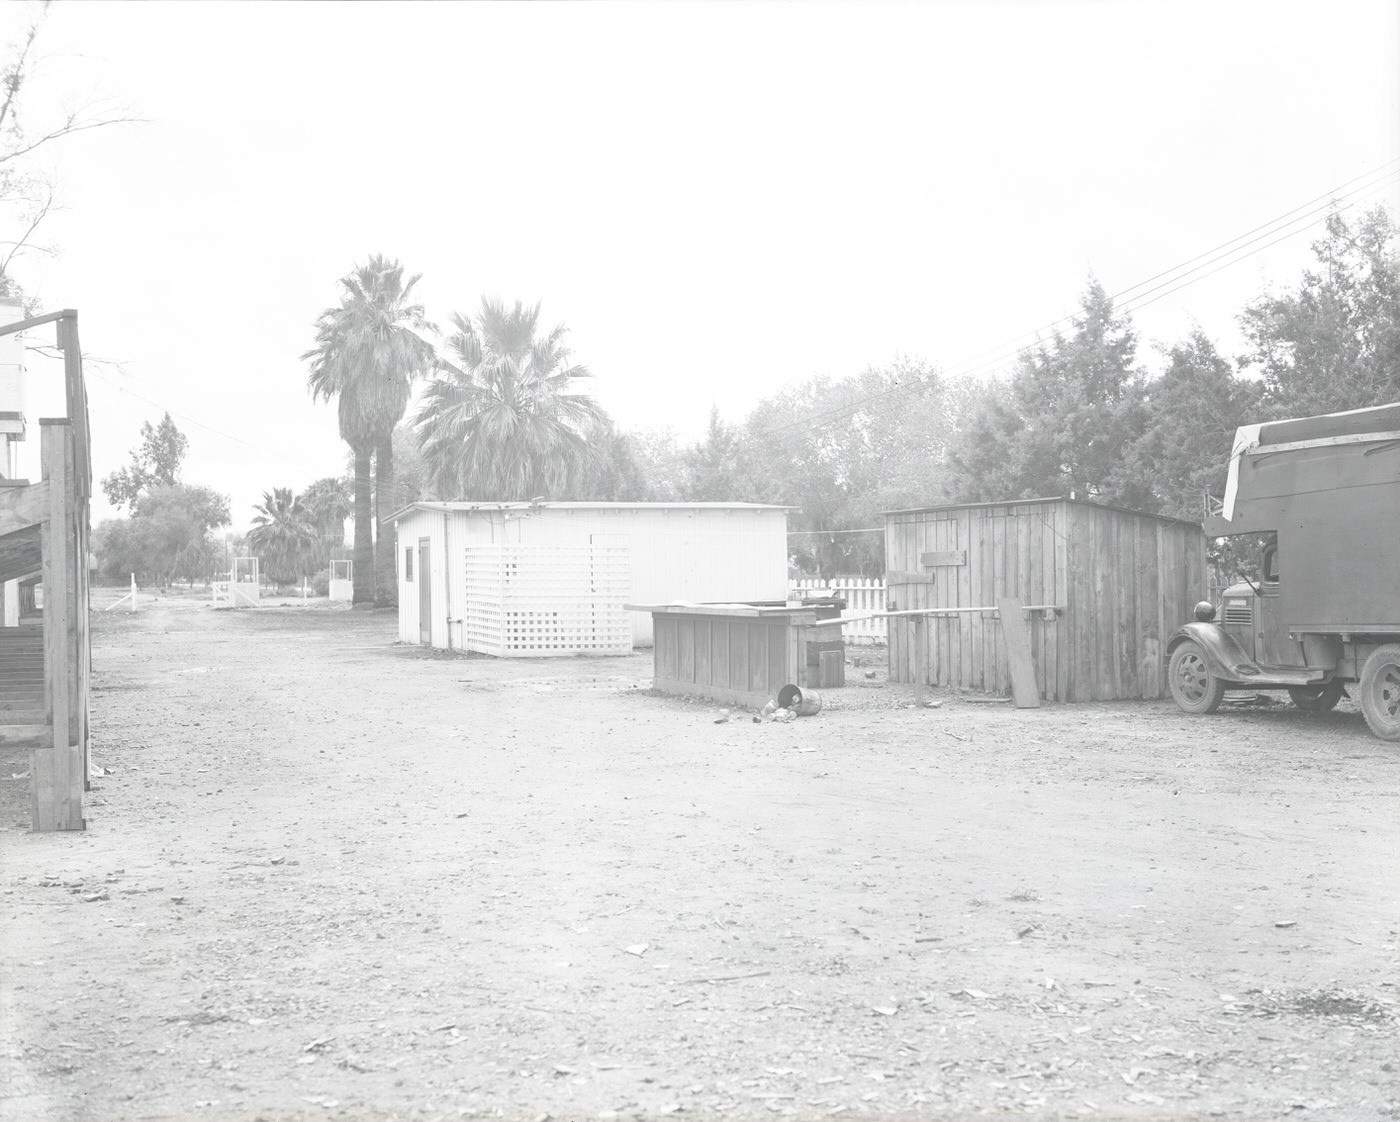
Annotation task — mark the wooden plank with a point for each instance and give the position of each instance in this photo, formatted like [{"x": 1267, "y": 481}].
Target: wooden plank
[
  {"x": 1101, "y": 614},
  {"x": 960, "y": 594},
  {"x": 23, "y": 506},
  {"x": 685, "y": 648},
  {"x": 939, "y": 627},
  {"x": 703, "y": 638},
  {"x": 920, "y": 659},
  {"x": 903, "y": 576},
  {"x": 665, "y": 663},
  {"x": 1033, "y": 559},
  {"x": 73, "y": 581},
  {"x": 831, "y": 669},
  {"x": 1149, "y": 648},
  {"x": 739, "y": 654},
  {"x": 971, "y": 593},
  {"x": 941, "y": 557},
  {"x": 785, "y": 644},
  {"x": 720, "y": 668},
  {"x": 997, "y": 680},
  {"x": 794, "y": 669},
  {"x": 738, "y": 611},
  {"x": 56, "y": 780},
  {"x": 1018, "y": 653},
  {"x": 1079, "y": 610},
  {"x": 758, "y": 657}
]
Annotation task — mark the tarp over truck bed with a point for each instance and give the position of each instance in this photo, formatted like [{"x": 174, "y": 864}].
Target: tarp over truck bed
[{"x": 1329, "y": 487}]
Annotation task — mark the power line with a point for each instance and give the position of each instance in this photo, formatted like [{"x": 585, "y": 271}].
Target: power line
[
  {"x": 208, "y": 428},
  {"x": 973, "y": 365}
]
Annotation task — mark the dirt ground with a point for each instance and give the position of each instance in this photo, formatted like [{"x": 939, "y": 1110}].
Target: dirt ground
[{"x": 331, "y": 876}]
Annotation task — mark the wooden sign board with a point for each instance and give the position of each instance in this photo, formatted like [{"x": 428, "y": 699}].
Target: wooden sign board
[{"x": 943, "y": 557}]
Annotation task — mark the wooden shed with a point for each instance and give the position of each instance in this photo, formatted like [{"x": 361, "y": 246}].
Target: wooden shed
[
  {"x": 552, "y": 577},
  {"x": 1106, "y": 587}
]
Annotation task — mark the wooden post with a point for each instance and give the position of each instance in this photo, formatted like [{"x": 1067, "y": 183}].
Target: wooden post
[
  {"x": 920, "y": 659},
  {"x": 56, "y": 766},
  {"x": 1018, "y": 653}
]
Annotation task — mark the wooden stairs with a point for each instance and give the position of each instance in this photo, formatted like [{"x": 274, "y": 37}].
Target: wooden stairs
[{"x": 22, "y": 714}]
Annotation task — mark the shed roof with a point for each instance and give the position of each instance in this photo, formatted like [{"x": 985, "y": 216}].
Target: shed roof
[
  {"x": 1041, "y": 502},
  {"x": 494, "y": 508}
]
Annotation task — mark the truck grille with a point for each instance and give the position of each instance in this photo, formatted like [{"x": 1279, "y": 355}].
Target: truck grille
[{"x": 1237, "y": 612}]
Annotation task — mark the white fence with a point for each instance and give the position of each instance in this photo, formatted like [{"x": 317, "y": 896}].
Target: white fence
[
  {"x": 534, "y": 600},
  {"x": 862, "y": 595}
]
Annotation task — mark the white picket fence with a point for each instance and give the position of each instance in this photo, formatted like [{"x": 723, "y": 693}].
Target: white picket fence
[{"x": 862, "y": 594}]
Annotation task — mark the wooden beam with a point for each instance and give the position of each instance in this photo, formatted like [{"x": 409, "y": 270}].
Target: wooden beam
[
  {"x": 1018, "y": 653},
  {"x": 23, "y": 507},
  {"x": 56, "y": 779},
  {"x": 943, "y": 557},
  {"x": 920, "y": 659},
  {"x": 37, "y": 321}
]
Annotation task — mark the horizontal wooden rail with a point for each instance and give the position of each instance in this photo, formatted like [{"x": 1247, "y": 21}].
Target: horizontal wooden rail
[{"x": 932, "y": 612}]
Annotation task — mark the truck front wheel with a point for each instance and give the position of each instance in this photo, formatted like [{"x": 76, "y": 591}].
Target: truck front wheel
[
  {"x": 1380, "y": 691},
  {"x": 1194, "y": 688}
]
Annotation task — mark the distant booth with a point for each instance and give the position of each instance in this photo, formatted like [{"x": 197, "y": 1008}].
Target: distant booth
[
  {"x": 1100, "y": 588},
  {"x": 243, "y": 589},
  {"x": 342, "y": 582},
  {"x": 547, "y": 578}
]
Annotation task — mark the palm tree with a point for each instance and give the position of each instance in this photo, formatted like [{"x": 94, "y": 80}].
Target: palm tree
[
  {"x": 282, "y": 536},
  {"x": 504, "y": 416},
  {"x": 368, "y": 350},
  {"x": 327, "y": 506}
]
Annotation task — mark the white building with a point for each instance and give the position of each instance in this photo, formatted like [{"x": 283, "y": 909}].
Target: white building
[{"x": 469, "y": 573}]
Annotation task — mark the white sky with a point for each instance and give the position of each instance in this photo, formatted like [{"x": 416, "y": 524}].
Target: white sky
[{"x": 716, "y": 198}]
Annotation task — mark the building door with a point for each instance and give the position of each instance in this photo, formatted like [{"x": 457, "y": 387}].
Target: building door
[{"x": 425, "y": 594}]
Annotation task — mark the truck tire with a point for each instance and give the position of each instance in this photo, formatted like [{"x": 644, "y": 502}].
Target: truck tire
[
  {"x": 1194, "y": 688},
  {"x": 1380, "y": 691},
  {"x": 1316, "y": 699}
]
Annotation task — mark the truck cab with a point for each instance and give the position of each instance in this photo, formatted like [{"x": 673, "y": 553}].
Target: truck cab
[{"x": 1321, "y": 496}]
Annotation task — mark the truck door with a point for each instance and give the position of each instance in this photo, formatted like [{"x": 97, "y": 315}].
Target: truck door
[{"x": 1270, "y": 628}]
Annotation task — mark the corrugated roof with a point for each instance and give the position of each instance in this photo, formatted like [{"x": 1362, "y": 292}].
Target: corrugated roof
[{"x": 519, "y": 506}]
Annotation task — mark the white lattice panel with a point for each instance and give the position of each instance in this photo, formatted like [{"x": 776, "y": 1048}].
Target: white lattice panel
[{"x": 528, "y": 601}]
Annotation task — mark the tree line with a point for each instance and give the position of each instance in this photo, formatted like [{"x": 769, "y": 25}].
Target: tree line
[{"x": 504, "y": 412}]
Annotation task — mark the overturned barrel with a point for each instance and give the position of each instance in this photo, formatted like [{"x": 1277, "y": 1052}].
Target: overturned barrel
[{"x": 802, "y": 702}]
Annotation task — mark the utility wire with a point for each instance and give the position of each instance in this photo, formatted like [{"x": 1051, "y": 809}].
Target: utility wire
[
  {"x": 237, "y": 441},
  {"x": 973, "y": 365}
]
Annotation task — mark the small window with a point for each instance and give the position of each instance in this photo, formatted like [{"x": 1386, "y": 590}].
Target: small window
[
  {"x": 1271, "y": 565},
  {"x": 408, "y": 566}
]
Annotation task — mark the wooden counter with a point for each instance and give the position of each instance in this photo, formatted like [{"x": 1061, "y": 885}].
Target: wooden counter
[{"x": 736, "y": 653}]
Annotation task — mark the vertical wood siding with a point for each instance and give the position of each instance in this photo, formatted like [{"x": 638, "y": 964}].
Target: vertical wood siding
[
  {"x": 745, "y": 661},
  {"x": 1124, "y": 581}
]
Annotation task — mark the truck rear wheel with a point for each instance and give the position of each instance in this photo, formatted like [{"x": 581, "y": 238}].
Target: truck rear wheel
[
  {"x": 1316, "y": 699},
  {"x": 1380, "y": 691},
  {"x": 1194, "y": 688}
]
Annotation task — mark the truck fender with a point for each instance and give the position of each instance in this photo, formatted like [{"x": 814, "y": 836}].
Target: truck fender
[{"x": 1224, "y": 656}]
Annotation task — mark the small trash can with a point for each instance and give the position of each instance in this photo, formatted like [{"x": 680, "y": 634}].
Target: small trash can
[
  {"x": 803, "y": 702},
  {"x": 827, "y": 654}
]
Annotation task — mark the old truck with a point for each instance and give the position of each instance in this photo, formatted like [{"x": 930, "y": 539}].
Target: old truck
[{"x": 1320, "y": 497}]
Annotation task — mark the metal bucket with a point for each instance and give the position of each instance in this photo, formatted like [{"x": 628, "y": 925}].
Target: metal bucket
[{"x": 803, "y": 702}]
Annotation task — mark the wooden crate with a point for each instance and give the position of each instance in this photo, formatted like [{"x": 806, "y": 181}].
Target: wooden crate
[{"x": 741, "y": 654}]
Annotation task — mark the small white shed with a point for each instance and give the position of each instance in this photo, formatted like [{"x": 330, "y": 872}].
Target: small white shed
[{"x": 449, "y": 554}]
